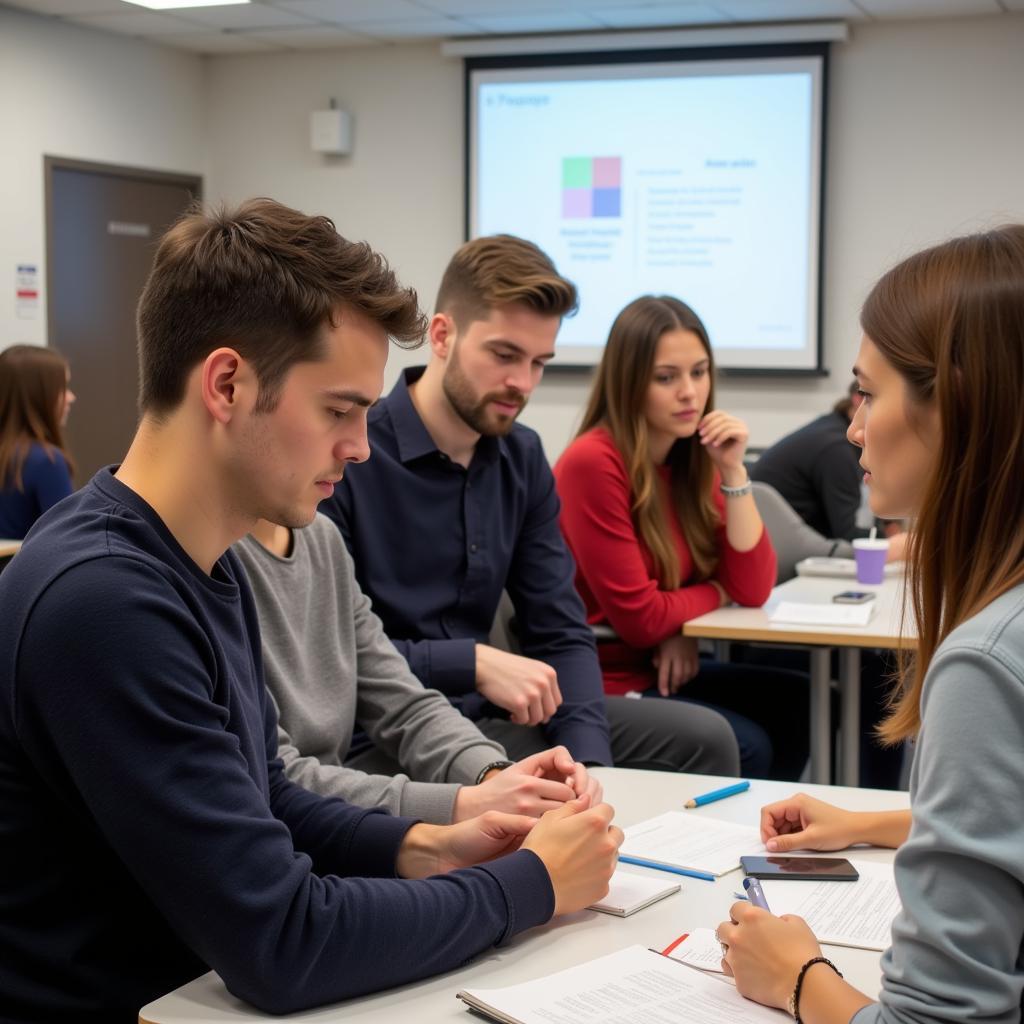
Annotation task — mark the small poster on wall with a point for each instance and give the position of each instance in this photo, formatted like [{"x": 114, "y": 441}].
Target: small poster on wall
[{"x": 26, "y": 291}]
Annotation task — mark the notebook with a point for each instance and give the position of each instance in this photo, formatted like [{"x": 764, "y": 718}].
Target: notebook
[
  {"x": 630, "y": 892},
  {"x": 822, "y": 614}
]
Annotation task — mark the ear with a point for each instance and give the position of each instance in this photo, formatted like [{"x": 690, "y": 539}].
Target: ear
[
  {"x": 441, "y": 333},
  {"x": 227, "y": 384}
]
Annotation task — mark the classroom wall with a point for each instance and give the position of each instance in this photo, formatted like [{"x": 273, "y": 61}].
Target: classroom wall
[
  {"x": 75, "y": 92},
  {"x": 922, "y": 143}
]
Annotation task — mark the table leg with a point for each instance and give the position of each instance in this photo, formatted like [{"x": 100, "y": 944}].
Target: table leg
[
  {"x": 849, "y": 686},
  {"x": 821, "y": 718}
]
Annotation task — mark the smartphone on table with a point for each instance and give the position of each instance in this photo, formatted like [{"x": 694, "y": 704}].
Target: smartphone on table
[
  {"x": 810, "y": 869},
  {"x": 853, "y": 597}
]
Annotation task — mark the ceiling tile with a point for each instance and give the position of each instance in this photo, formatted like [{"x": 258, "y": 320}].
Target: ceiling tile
[
  {"x": 928, "y": 8},
  {"x": 313, "y": 37},
  {"x": 218, "y": 42},
  {"x": 778, "y": 10},
  {"x": 417, "y": 28},
  {"x": 475, "y": 9},
  {"x": 644, "y": 16},
  {"x": 346, "y": 12},
  {"x": 246, "y": 16},
  {"x": 68, "y": 6},
  {"x": 537, "y": 21},
  {"x": 1013, "y": 5},
  {"x": 145, "y": 23}
]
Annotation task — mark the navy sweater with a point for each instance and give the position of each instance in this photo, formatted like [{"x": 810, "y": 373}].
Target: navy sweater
[
  {"x": 44, "y": 481},
  {"x": 147, "y": 831}
]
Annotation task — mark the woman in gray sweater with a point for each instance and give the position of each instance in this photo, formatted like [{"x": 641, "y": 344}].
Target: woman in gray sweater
[{"x": 941, "y": 367}]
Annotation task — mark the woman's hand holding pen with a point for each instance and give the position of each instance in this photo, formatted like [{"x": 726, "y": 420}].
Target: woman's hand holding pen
[
  {"x": 725, "y": 438},
  {"x": 765, "y": 953}
]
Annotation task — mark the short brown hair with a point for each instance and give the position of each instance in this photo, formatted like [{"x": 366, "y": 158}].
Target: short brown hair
[
  {"x": 264, "y": 279},
  {"x": 499, "y": 270}
]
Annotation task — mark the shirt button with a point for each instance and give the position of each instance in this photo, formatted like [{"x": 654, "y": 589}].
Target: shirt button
[{"x": 472, "y": 548}]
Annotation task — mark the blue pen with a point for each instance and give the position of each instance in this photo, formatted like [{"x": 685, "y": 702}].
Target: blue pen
[
  {"x": 718, "y": 794},
  {"x": 640, "y": 862},
  {"x": 755, "y": 893}
]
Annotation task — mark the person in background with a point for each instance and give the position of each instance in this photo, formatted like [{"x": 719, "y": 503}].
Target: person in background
[
  {"x": 941, "y": 367},
  {"x": 35, "y": 466},
  {"x": 329, "y": 665},
  {"x": 816, "y": 470},
  {"x": 478, "y": 516},
  {"x": 658, "y": 513}
]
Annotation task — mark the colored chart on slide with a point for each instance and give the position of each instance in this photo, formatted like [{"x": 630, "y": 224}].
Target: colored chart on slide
[{"x": 591, "y": 186}]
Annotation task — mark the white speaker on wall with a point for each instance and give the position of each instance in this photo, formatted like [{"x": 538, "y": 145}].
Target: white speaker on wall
[{"x": 330, "y": 132}]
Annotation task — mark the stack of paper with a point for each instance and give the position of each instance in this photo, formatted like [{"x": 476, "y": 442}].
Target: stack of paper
[
  {"x": 842, "y": 913},
  {"x": 628, "y": 893},
  {"x": 794, "y": 613},
  {"x": 635, "y": 984},
  {"x": 682, "y": 840}
]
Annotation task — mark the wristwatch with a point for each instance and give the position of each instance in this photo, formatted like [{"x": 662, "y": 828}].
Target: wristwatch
[{"x": 494, "y": 766}]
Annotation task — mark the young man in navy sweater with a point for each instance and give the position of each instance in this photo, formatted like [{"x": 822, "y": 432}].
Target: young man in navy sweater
[{"x": 147, "y": 831}]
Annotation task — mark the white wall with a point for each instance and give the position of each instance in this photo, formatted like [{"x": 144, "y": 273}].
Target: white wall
[
  {"x": 923, "y": 126},
  {"x": 74, "y": 92},
  {"x": 923, "y": 142}
]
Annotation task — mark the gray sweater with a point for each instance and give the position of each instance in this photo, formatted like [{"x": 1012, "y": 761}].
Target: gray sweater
[
  {"x": 329, "y": 665},
  {"x": 957, "y": 949}
]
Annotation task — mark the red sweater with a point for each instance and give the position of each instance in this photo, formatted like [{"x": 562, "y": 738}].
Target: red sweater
[{"x": 615, "y": 571}]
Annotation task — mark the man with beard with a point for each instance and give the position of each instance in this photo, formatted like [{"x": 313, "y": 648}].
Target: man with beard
[{"x": 458, "y": 504}]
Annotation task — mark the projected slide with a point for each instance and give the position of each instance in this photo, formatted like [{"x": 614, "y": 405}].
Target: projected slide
[{"x": 701, "y": 184}]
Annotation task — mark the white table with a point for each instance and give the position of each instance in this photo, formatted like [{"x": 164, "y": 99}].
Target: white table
[
  {"x": 572, "y": 940},
  {"x": 888, "y": 629}
]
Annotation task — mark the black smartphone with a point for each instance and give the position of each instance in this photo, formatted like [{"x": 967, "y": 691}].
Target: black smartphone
[
  {"x": 854, "y": 597},
  {"x": 810, "y": 869}
]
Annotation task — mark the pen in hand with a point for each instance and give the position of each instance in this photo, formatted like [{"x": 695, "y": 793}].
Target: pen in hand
[{"x": 755, "y": 893}]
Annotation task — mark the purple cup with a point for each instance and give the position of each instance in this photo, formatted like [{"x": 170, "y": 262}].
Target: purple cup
[{"x": 870, "y": 558}]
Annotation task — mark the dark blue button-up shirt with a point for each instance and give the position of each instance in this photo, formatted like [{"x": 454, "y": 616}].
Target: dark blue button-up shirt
[{"x": 435, "y": 544}]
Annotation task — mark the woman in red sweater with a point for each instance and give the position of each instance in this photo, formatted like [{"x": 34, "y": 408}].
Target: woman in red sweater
[{"x": 657, "y": 511}]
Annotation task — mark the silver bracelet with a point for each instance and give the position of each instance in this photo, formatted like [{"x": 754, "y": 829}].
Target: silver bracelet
[{"x": 736, "y": 492}]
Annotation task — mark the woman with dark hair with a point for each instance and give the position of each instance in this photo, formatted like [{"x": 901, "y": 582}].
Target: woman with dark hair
[
  {"x": 658, "y": 513},
  {"x": 941, "y": 367},
  {"x": 35, "y": 467}
]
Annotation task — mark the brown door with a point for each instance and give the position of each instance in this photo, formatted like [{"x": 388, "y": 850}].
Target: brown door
[{"x": 103, "y": 225}]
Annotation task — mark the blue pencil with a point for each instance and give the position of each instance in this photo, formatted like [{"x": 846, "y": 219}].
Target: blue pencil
[
  {"x": 718, "y": 794},
  {"x": 689, "y": 872}
]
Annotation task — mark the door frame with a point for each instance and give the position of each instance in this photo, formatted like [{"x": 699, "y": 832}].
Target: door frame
[{"x": 193, "y": 182}]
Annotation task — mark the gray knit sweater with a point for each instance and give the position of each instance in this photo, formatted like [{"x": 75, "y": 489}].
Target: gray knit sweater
[
  {"x": 328, "y": 665},
  {"x": 957, "y": 949}
]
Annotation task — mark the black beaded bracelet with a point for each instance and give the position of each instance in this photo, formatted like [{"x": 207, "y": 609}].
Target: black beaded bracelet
[
  {"x": 494, "y": 766},
  {"x": 794, "y": 999}
]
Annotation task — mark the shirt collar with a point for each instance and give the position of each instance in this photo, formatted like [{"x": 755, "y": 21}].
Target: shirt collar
[{"x": 413, "y": 438}]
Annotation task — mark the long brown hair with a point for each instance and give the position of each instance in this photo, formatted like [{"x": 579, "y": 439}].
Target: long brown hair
[
  {"x": 617, "y": 402},
  {"x": 951, "y": 321},
  {"x": 32, "y": 385}
]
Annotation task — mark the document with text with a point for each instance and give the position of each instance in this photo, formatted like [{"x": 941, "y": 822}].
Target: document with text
[
  {"x": 682, "y": 839},
  {"x": 842, "y": 913},
  {"x": 635, "y": 984}
]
